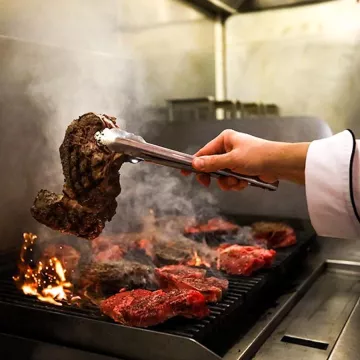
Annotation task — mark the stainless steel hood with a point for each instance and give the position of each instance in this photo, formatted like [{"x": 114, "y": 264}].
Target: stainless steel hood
[
  {"x": 223, "y": 7},
  {"x": 229, "y": 7},
  {"x": 256, "y": 5}
]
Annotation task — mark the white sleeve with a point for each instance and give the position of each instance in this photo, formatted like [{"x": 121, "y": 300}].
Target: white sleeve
[{"x": 332, "y": 181}]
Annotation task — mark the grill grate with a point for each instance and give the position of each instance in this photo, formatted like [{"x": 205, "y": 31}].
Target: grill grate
[{"x": 87, "y": 328}]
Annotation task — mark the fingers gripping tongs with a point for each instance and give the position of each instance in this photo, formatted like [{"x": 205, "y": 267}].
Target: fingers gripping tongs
[{"x": 137, "y": 149}]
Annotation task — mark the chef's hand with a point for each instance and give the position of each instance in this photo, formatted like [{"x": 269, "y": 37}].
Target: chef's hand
[{"x": 249, "y": 155}]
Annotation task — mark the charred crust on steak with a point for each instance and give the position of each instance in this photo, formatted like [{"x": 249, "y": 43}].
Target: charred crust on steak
[
  {"x": 91, "y": 182},
  {"x": 107, "y": 278}
]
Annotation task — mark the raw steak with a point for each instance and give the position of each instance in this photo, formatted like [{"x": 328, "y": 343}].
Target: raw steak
[
  {"x": 244, "y": 260},
  {"x": 142, "y": 308},
  {"x": 275, "y": 235},
  {"x": 91, "y": 184},
  {"x": 182, "y": 277}
]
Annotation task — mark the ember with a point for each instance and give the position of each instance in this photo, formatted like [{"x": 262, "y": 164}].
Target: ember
[
  {"x": 46, "y": 279},
  {"x": 198, "y": 261}
]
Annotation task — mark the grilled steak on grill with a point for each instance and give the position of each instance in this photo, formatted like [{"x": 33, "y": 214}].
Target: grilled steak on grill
[
  {"x": 182, "y": 271},
  {"x": 91, "y": 182},
  {"x": 182, "y": 277},
  {"x": 177, "y": 249},
  {"x": 244, "y": 260},
  {"x": 275, "y": 235},
  {"x": 215, "y": 225},
  {"x": 107, "y": 278},
  {"x": 143, "y": 308}
]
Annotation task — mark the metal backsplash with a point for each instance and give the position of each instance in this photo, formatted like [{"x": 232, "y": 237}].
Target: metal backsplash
[{"x": 305, "y": 59}]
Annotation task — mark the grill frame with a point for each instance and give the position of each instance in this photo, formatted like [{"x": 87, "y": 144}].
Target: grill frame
[{"x": 177, "y": 339}]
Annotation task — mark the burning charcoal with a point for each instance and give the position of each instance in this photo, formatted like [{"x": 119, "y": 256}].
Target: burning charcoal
[
  {"x": 142, "y": 308},
  {"x": 91, "y": 182},
  {"x": 274, "y": 235},
  {"x": 244, "y": 260},
  {"x": 107, "y": 278},
  {"x": 183, "y": 277}
]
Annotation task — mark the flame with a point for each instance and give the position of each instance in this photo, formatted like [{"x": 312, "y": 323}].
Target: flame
[
  {"x": 46, "y": 279},
  {"x": 147, "y": 246},
  {"x": 196, "y": 260}
]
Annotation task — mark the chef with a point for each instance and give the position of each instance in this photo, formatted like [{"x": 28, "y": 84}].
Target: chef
[{"x": 329, "y": 168}]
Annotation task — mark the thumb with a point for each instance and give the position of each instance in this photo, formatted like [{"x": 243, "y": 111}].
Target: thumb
[{"x": 212, "y": 162}]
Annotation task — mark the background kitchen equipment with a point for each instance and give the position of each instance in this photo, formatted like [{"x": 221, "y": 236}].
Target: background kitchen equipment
[
  {"x": 209, "y": 109},
  {"x": 230, "y": 7}
]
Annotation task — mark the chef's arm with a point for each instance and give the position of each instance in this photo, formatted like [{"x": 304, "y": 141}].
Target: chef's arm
[
  {"x": 329, "y": 168},
  {"x": 332, "y": 180}
]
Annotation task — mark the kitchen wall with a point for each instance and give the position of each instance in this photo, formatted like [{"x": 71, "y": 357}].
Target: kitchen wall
[
  {"x": 59, "y": 60},
  {"x": 174, "y": 47},
  {"x": 304, "y": 59}
]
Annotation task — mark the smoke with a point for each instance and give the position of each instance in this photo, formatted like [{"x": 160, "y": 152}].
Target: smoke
[
  {"x": 149, "y": 187},
  {"x": 60, "y": 60}
]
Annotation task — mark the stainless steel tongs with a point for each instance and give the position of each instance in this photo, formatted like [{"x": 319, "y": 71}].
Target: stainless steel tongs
[{"x": 137, "y": 149}]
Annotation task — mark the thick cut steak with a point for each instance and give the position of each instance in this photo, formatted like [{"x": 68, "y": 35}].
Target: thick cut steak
[
  {"x": 182, "y": 277},
  {"x": 91, "y": 184},
  {"x": 177, "y": 249},
  {"x": 274, "y": 235},
  {"x": 143, "y": 308},
  {"x": 244, "y": 260},
  {"x": 107, "y": 278}
]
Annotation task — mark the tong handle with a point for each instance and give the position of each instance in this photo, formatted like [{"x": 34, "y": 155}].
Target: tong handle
[{"x": 252, "y": 180}]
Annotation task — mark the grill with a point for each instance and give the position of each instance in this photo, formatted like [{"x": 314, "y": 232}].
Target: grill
[{"x": 86, "y": 329}]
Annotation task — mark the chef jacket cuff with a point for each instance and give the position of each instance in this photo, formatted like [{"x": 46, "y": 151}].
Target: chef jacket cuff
[{"x": 333, "y": 185}]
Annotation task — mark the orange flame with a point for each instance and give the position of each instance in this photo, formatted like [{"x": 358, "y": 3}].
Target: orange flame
[
  {"x": 196, "y": 260},
  {"x": 147, "y": 246},
  {"x": 46, "y": 279}
]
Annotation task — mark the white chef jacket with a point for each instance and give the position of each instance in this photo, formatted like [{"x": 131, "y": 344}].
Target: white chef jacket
[{"x": 332, "y": 182}]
